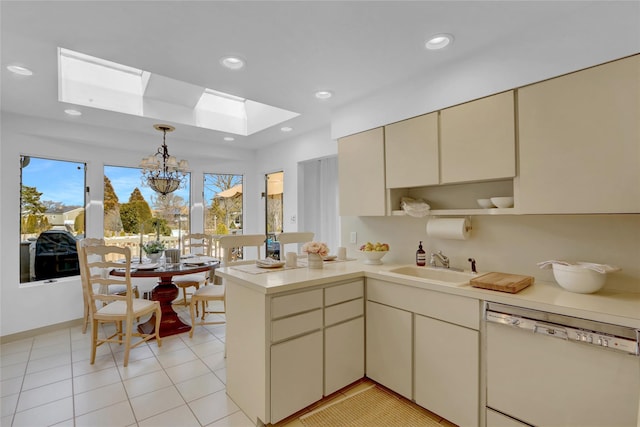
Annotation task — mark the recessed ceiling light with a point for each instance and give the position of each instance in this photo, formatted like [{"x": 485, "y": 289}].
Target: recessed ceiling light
[
  {"x": 72, "y": 112},
  {"x": 324, "y": 94},
  {"x": 17, "y": 69},
  {"x": 286, "y": 128},
  {"x": 229, "y": 138},
  {"x": 232, "y": 62},
  {"x": 439, "y": 41}
]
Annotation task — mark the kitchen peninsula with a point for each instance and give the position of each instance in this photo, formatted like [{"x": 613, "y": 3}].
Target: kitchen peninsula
[{"x": 299, "y": 334}]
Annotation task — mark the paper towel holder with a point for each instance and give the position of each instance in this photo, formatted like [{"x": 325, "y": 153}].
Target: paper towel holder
[{"x": 468, "y": 226}]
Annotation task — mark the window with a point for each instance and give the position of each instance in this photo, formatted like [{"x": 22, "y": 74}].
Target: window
[
  {"x": 52, "y": 200},
  {"x": 134, "y": 213},
  {"x": 223, "y": 203}
]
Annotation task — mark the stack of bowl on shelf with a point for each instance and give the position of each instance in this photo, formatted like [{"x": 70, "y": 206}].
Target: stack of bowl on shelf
[{"x": 496, "y": 202}]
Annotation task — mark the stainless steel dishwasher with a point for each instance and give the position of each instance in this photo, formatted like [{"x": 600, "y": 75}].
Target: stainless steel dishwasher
[{"x": 545, "y": 369}]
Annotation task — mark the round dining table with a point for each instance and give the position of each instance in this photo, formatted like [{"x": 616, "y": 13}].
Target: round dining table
[{"x": 165, "y": 292}]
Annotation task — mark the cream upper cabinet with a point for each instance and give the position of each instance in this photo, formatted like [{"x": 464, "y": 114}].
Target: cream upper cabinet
[
  {"x": 361, "y": 174},
  {"x": 477, "y": 140},
  {"x": 580, "y": 141},
  {"x": 411, "y": 152}
]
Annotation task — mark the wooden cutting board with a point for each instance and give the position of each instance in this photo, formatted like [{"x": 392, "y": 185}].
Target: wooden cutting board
[{"x": 503, "y": 282}]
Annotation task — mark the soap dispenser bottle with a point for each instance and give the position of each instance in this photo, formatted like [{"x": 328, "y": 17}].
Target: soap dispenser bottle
[{"x": 421, "y": 256}]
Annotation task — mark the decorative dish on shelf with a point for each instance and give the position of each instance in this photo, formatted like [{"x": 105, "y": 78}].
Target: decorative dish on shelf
[{"x": 329, "y": 257}]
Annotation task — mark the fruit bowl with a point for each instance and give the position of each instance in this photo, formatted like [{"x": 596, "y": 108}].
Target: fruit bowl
[{"x": 373, "y": 257}]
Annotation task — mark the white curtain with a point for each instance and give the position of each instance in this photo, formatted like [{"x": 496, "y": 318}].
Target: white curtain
[{"x": 318, "y": 200}]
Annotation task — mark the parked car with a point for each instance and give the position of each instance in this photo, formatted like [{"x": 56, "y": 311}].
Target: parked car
[
  {"x": 56, "y": 255},
  {"x": 273, "y": 247}
]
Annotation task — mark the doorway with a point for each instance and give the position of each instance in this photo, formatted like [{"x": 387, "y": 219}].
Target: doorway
[{"x": 274, "y": 210}]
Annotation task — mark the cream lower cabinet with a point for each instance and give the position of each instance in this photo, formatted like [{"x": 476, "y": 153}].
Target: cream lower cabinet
[
  {"x": 296, "y": 375},
  {"x": 343, "y": 335},
  {"x": 446, "y": 373},
  {"x": 343, "y": 354},
  {"x": 425, "y": 345},
  {"x": 389, "y": 337},
  {"x": 296, "y": 352}
]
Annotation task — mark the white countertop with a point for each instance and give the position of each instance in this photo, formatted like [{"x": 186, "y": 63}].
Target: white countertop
[{"x": 621, "y": 308}]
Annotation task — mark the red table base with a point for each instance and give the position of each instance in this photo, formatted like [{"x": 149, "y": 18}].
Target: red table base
[{"x": 170, "y": 324}]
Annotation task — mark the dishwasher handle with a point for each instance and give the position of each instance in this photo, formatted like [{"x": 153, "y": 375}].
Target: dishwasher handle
[{"x": 551, "y": 331}]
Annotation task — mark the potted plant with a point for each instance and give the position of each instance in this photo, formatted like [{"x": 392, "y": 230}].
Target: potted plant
[{"x": 154, "y": 250}]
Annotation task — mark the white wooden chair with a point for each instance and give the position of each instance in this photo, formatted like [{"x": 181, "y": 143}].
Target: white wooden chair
[
  {"x": 229, "y": 245},
  {"x": 293, "y": 237},
  {"x": 112, "y": 307},
  {"x": 194, "y": 244},
  {"x": 114, "y": 289}
]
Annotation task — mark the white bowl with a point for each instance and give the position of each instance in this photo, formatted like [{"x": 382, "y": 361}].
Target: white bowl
[
  {"x": 373, "y": 257},
  {"x": 502, "y": 202},
  {"x": 577, "y": 278},
  {"x": 486, "y": 203}
]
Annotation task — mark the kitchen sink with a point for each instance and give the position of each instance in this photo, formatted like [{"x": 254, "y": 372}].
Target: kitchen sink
[{"x": 441, "y": 276}]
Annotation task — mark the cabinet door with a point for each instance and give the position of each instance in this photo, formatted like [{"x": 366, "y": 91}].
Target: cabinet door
[
  {"x": 389, "y": 333},
  {"x": 496, "y": 419},
  {"x": 580, "y": 141},
  {"x": 411, "y": 152},
  {"x": 296, "y": 375},
  {"x": 361, "y": 174},
  {"x": 478, "y": 140},
  {"x": 447, "y": 370},
  {"x": 343, "y": 354}
]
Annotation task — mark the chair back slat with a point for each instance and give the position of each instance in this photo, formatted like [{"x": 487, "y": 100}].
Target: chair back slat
[
  {"x": 293, "y": 237},
  {"x": 94, "y": 260},
  {"x": 197, "y": 244},
  {"x": 229, "y": 243}
]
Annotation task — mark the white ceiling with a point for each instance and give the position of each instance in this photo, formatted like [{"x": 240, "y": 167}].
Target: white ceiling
[{"x": 292, "y": 49}]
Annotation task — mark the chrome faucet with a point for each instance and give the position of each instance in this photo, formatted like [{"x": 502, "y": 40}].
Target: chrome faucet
[{"x": 435, "y": 257}]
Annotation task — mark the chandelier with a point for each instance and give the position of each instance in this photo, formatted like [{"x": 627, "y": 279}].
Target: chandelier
[{"x": 162, "y": 172}]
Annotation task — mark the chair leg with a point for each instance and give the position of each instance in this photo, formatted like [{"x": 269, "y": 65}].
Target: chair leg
[
  {"x": 191, "y": 312},
  {"x": 158, "y": 318},
  {"x": 127, "y": 341},
  {"x": 184, "y": 296},
  {"x": 94, "y": 340},
  {"x": 85, "y": 319}
]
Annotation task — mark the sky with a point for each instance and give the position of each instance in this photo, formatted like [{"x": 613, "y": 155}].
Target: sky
[{"x": 63, "y": 181}]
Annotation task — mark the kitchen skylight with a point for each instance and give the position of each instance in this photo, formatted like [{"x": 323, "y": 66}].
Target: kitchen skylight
[{"x": 98, "y": 83}]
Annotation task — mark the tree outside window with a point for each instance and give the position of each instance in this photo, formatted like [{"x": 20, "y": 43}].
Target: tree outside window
[
  {"x": 223, "y": 203},
  {"x": 134, "y": 213},
  {"x": 52, "y": 200}
]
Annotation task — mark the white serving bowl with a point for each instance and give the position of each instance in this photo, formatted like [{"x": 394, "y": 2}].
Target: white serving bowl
[
  {"x": 373, "y": 257},
  {"x": 486, "y": 203},
  {"x": 502, "y": 202},
  {"x": 577, "y": 278}
]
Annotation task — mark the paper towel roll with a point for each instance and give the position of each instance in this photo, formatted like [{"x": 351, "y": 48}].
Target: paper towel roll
[{"x": 449, "y": 228}]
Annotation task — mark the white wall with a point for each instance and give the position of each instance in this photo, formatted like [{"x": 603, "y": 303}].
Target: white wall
[
  {"x": 285, "y": 157},
  {"x": 514, "y": 243}
]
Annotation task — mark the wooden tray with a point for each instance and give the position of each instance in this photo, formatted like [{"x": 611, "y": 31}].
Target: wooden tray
[{"x": 502, "y": 282}]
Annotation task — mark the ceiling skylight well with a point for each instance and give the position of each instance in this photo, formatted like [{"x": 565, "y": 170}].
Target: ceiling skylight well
[{"x": 98, "y": 83}]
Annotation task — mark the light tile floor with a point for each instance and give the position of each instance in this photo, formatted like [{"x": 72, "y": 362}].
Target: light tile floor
[{"x": 47, "y": 380}]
